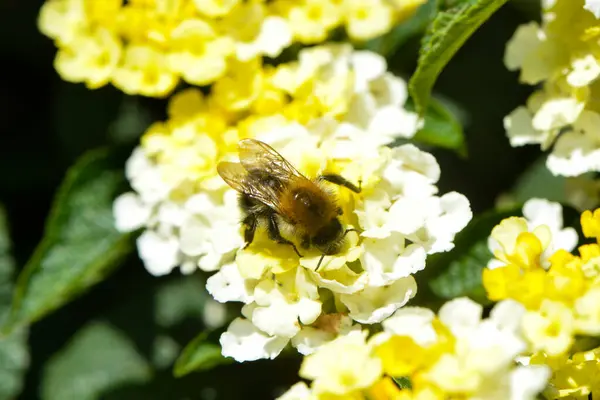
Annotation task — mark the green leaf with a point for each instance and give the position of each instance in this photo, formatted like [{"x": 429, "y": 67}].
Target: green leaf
[
  {"x": 403, "y": 382},
  {"x": 393, "y": 40},
  {"x": 199, "y": 355},
  {"x": 131, "y": 121},
  {"x": 441, "y": 129},
  {"x": 458, "y": 272},
  {"x": 76, "y": 109},
  {"x": 80, "y": 244},
  {"x": 97, "y": 359},
  {"x": 538, "y": 181},
  {"x": 463, "y": 276},
  {"x": 180, "y": 298},
  {"x": 14, "y": 356},
  {"x": 448, "y": 31}
]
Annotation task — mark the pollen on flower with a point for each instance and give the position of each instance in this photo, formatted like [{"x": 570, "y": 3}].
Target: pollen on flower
[{"x": 146, "y": 47}]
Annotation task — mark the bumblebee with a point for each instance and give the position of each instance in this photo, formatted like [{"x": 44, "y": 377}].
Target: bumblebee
[{"x": 275, "y": 194}]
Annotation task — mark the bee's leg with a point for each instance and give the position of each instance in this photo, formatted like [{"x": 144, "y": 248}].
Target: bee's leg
[
  {"x": 319, "y": 263},
  {"x": 275, "y": 235},
  {"x": 340, "y": 180},
  {"x": 250, "y": 223}
]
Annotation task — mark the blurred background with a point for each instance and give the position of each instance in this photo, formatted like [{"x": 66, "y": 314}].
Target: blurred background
[{"x": 46, "y": 124}]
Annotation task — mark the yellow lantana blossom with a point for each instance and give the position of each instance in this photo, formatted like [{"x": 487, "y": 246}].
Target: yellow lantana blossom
[
  {"x": 573, "y": 377},
  {"x": 249, "y": 99},
  {"x": 146, "y": 46},
  {"x": 562, "y": 312}
]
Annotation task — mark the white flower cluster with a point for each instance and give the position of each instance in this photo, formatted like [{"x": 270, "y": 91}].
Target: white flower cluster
[
  {"x": 189, "y": 216},
  {"x": 400, "y": 220},
  {"x": 200, "y": 231},
  {"x": 343, "y": 109},
  {"x": 457, "y": 354},
  {"x": 563, "y": 54}
]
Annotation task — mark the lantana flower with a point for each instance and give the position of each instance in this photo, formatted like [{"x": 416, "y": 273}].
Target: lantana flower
[
  {"x": 146, "y": 47},
  {"x": 561, "y": 56},
  {"x": 399, "y": 219},
  {"x": 185, "y": 208},
  {"x": 561, "y": 300},
  {"x": 456, "y": 354}
]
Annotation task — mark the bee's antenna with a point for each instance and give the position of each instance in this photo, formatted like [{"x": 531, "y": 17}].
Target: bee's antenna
[
  {"x": 349, "y": 230},
  {"x": 323, "y": 255},
  {"x": 319, "y": 263}
]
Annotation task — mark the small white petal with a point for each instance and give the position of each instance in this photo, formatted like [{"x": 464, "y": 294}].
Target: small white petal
[
  {"x": 298, "y": 391},
  {"x": 171, "y": 214},
  {"x": 507, "y": 315},
  {"x": 309, "y": 339},
  {"x": 389, "y": 90},
  {"x": 585, "y": 70},
  {"x": 194, "y": 236},
  {"x": 386, "y": 260},
  {"x": 575, "y": 153},
  {"x": 460, "y": 315},
  {"x": 228, "y": 285},
  {"x": 593, "y": 6},
  {"x": 519, "y": 128},
  {"x": 160, "y": 254},
  {"x": 277, "y": 319},
  {"x": 145, "y": 178},
  {"x": 413, "y": 160},
  {"x": 414, "y": 322},
  {"x": 556, "y": 113},
  {"x": 374, "y": 304},
  {"x": 525, "y": 38},
  {"x": 454, "y": 214},
  {"x": 394, "y": 121},
  {"x": 367, "y": 66},
  {"x": 526, "y": 382},
  {"x": 408, "y": 214},
  {"x": 275, "y": 35},
  {"x": 244, "y": 342},
  {"x": 130, "y": 212}
]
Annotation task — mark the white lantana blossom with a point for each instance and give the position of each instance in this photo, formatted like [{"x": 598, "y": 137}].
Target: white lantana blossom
[
  {"x": 593, "y": 6},
  {"x": 541, "y": 218},
  {"x": 563, "y": 54},
  {"x": 195, "y": 232},
  {"x": 355, "y": 87},
  {"x": 288, "y": 297},
  {"x": 335, "y": 109},
  {"x": 484, "y": 353}
]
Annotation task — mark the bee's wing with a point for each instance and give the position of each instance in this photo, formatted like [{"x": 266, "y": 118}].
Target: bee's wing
[
  {"x": 238, "y": 177},
  {"x": 234, "y": 175},
  {"x": 256, "y": 155}
]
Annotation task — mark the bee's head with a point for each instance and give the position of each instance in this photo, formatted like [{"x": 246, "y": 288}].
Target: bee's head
[{"x": 328, "y": 238}]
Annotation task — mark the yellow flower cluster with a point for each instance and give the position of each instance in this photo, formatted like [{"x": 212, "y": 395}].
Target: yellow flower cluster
[
  {"x": 252, "y": 99},
  {"x": 561, "y": 292},
  {"x": 146, "y": 46},
  {"x": 574, "y": 377},
  {"x": 455, "y": 355}
]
